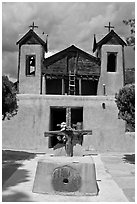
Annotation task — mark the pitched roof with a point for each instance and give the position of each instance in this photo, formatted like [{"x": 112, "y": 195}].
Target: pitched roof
[
  {"x": 29, "y": 34},
  {"x": 65, "y": 52},
  {"x": 108, "y": 37}
]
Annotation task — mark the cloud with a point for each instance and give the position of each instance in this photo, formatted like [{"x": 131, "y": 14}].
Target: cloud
[
  {"x": 9, "y": 64},
  {"x": 65, "y": 23}
]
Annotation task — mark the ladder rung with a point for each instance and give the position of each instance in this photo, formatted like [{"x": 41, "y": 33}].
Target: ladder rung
[{"x": 72, "y": 88}]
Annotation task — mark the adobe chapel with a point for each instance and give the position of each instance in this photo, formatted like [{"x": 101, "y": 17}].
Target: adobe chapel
[{"x": 70, "y": 86}]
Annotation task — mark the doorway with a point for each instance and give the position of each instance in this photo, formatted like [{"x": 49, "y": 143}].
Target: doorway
[{"x": 59, "y": 114}]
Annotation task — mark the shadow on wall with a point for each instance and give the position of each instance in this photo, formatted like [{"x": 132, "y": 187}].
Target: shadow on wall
[{"x": 129, "y": 158}]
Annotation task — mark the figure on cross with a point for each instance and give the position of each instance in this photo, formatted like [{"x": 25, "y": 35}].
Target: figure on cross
[{"x": 67, "y": 135}]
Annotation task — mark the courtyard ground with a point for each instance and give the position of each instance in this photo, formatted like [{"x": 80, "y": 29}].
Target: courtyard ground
[{"x": 115, "y": 174}]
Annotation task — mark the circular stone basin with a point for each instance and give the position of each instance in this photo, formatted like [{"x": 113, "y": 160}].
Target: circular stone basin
[{"x": 66, "y": 179}]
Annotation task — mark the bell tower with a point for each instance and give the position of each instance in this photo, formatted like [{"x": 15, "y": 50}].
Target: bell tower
[
  {"x": 31, "y": 54},
  {"x": 110, "y": 50}
]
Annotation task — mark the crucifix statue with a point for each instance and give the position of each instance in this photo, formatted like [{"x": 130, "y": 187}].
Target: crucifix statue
[
  {"x": 109, "y": 27},
  {"x": 33, "y": 26},
  {"x": 67, "y": 134}
]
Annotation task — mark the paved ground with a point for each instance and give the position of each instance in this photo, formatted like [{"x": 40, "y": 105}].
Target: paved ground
[
  {"x": 115, "y": 178},
  {"x": 123, "y": 173}
]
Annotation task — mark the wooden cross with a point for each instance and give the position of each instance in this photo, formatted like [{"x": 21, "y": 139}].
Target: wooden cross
[
  {"x": 69, "y": 135},
  {"x": 33, "y": 26},
  {"x": 109, "y": 27}
]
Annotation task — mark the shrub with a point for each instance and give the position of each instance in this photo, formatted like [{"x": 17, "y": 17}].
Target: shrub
[
  {"x": 9, "y": 100},
  {"x": 125, "y": 101}
]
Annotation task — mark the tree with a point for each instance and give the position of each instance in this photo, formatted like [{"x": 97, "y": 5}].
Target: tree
[
  {"x": 9, "y": 100},
  {"x": 131, "y": 39},
  {"x": 125, "y": 101}
]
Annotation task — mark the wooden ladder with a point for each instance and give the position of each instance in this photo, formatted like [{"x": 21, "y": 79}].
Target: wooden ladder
[{"x": 72, "y": 85}]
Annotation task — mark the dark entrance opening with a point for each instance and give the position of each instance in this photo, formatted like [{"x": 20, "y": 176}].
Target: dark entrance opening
[
  {"x": 77, "y": 117},
  {"x": 57, "y": 116},
  {"x": 54, "y": 86},
  {"x": 89, "y": 87}
]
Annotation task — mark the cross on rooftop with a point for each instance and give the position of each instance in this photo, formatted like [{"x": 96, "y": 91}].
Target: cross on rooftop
[
  {"x": 109, "y": 26},
  {"x": 33, "y": 26}
]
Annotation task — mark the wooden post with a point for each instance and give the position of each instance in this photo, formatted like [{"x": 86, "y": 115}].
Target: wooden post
[
  {"x": 68, "y": 116},
  {"x": 80, "y": 86},
  {"x": 69, "y": 144},
  {"x": 63, "y": 91}
]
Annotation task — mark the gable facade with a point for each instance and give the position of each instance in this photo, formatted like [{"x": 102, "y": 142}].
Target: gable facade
[
  {"x": 59, "y": 67},
  {"x": 96, "y": 75}
]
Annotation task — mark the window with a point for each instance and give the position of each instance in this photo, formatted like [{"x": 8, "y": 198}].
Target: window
[
  {"x": 30, "y": 65},
  {"x": 111, "y": 62}
]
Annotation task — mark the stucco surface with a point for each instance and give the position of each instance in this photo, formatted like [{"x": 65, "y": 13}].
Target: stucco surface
[
  {"x": 25, "y": 131},
  {"x": 30, "y": 84},
  {"x": 112, "y": 80}
]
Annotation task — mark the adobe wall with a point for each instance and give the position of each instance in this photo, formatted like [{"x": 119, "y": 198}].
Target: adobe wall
[{"x": 25, "y": 131}]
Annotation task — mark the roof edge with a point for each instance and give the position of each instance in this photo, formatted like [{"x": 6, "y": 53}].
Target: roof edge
[
  {"x": 108, "y": 36},
  {"x": 30, "y": 32}
]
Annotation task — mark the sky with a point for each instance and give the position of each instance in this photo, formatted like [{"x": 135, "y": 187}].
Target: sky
[{"x": 66, "y": 23}]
